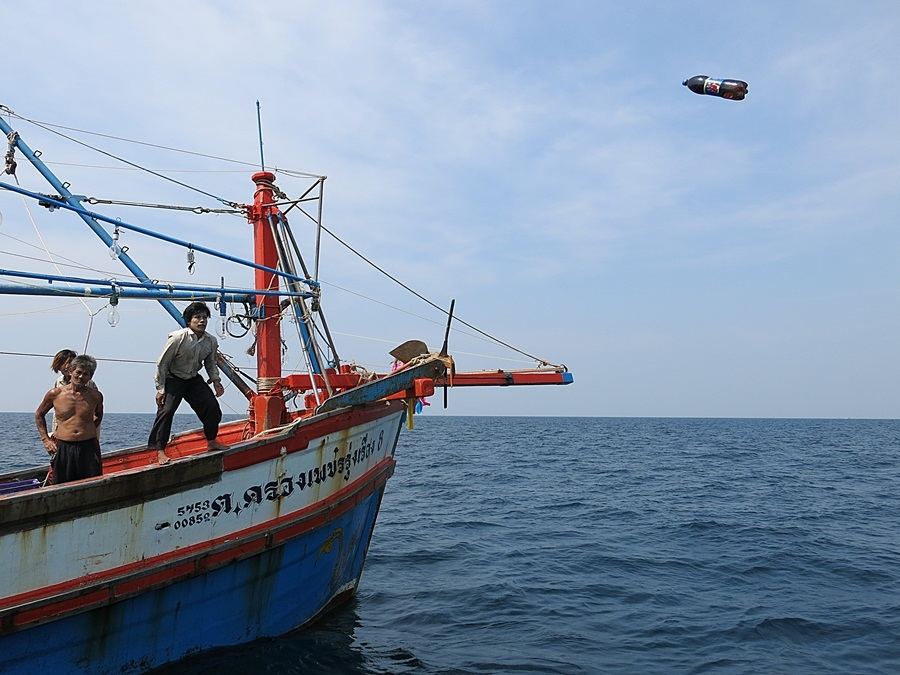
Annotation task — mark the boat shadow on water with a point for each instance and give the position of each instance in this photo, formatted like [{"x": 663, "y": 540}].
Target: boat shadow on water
[{"x": 329, "y": 646}]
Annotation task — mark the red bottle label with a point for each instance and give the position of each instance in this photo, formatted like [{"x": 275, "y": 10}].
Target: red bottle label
[{"x": 712, "y": 87}]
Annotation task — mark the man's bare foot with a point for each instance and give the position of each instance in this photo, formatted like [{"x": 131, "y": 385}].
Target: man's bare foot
[
  {"x": 214, "y": 445},
  {"x": 162, "y": 457}
]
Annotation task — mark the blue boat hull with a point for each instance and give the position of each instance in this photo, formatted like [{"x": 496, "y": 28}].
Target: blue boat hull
[{"x": 265, "y": 595}]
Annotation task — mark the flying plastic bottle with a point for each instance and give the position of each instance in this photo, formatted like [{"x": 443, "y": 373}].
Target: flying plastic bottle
[{"x": 734, "y": 90}]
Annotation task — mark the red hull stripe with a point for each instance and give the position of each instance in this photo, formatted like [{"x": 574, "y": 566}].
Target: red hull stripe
[
  {"x": 137, "y": 584},
  {"x": 62, "y": 607},
  {"x": 115, "y": 584},
  {"x": 300, "y": 441}
]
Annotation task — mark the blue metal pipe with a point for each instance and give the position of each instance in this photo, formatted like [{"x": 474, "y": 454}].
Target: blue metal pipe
[
  {"x": 92, "y": 215},
  {"x": 245, "y": 292},
  {"x": 72, "y": 202},
  {"x": 107, "y": 292}
]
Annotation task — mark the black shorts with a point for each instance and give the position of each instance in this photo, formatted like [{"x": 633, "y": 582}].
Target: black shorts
[{"x": 75, "y": 460}]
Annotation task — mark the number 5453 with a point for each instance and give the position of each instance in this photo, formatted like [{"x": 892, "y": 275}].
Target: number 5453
[{"x": 193, "y": 508}]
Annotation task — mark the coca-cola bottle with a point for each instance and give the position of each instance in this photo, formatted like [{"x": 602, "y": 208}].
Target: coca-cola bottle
[{"x": 735, "y": 90}]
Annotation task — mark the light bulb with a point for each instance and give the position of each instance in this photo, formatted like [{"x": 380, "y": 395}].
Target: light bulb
[
  {"x": 113, "y": 317},
  {"x": 114, "y": 249}
]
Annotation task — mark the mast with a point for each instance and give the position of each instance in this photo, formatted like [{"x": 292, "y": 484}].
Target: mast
[{"x": 268, "y": 403}]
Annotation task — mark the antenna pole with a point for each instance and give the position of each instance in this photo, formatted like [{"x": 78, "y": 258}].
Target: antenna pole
[{"x": 262, "y": 161}]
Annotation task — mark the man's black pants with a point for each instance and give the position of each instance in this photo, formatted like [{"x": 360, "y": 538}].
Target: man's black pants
[
  {"x": 75, "y": 460},
  {"x": 201, "y": 399}
]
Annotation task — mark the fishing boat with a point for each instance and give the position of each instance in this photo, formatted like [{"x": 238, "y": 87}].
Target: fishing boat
[{"x": 149, "y": 563}]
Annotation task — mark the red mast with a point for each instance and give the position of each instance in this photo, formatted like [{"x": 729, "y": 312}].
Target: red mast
[{"x": 268, "y": 403}]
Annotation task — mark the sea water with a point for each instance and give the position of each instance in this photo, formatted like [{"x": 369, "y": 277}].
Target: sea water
[{"x": 596, "y": 545}]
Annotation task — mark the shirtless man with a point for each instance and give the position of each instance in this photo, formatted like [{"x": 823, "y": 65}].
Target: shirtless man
[
  {"x": 74, "y": 446},
  {"x": 62, "y": 363}
]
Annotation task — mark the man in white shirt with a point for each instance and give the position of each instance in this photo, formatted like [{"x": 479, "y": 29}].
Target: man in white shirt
[{"x": 177, "y": 379}]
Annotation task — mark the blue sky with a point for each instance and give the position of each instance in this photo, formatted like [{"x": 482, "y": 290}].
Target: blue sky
[{"x": 682, "y": 254}]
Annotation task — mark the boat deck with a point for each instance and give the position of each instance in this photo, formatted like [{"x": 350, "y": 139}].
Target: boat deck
[{"x": 182, "y": 446}]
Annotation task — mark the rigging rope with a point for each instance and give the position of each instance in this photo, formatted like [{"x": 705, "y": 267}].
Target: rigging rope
[
  {"x": 194, "y": 209},
  {"x": 289, "y": 172},
  {"x": 237, "y": 207},
  {"x": 234, "y": 205},
  {"x": 544, "y": 362},
  {"x": 404, "y": 311},
  {"x": 73, "y": 263},
  {"x": 50, "y": 356},
  {"x": 91, "y": 314},
  {"x": 488, "y": 336},
  {"x": 131, "y": 168},
  {"x": 111, "y": 360},
  {"x": 47, "y": 310}
]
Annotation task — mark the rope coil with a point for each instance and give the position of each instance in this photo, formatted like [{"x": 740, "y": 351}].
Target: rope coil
[
  {"x": 266, "y": 384},
  {"x": 10, "y": 159}
]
